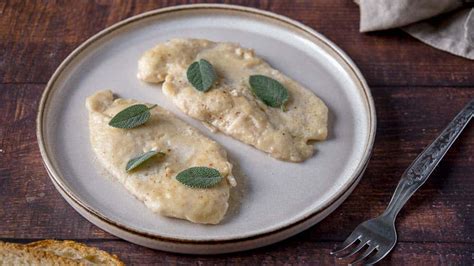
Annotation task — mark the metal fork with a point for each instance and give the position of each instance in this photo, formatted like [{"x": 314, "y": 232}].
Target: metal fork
[{"x": 375, "y": 238}]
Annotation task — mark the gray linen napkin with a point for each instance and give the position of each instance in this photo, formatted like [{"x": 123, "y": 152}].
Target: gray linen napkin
[{"x": 445, "y": 24}]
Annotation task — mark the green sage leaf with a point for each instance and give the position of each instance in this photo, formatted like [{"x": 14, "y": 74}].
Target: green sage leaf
[
  {"x": 199, "y": 177},
  {"x": 201, "y": 75},
  {"x": 139, "y": 160},
  {"x": 269, "y": 91},
  {"x": 132, "y": 116}
]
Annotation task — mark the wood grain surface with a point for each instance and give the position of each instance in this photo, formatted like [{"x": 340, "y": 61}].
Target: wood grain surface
[{"x": 417, "y": 91}]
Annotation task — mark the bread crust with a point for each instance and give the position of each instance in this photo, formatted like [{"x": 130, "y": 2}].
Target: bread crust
[
  {"x": 55, "y": 252},
  {"x": 17, "y": 254}
]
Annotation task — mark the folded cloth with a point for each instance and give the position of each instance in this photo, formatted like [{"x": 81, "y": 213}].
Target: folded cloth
[{"x": 445, "y": 24}]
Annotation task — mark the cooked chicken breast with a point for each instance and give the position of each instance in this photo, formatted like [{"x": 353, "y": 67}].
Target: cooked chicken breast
[
  {"x": 154, "y": 183},
  {"x": 230, "y": 106}
]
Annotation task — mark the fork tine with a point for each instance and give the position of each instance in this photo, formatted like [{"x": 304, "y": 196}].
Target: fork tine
[
  {"x": 355, "y": 250},
  {"x": 377, "y": 257},
  {"x": 346, "y": 244},
  {"x": 364, "y": 255}
]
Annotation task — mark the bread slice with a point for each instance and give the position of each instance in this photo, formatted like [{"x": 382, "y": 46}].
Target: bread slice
[
  {"x": 16, "y": 254},
  {"x": 54, "y": 252}
]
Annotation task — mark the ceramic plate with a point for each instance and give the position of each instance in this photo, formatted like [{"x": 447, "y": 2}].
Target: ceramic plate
[{"x": 273, "y": 199}]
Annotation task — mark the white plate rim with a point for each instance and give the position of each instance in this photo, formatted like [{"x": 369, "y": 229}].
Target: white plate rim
[{"x": 57, "y": 179}]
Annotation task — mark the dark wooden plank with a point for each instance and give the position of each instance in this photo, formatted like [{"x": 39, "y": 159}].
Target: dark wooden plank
[
  {"x": 409, "y": 119},
  {"x": 292, "y": 252},
  {"x": 37, "y": 36}
]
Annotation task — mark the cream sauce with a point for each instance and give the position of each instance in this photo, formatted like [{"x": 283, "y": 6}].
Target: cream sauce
[
  {"x": 154, "y": 182},
  {"x": 230, "y": 105}
]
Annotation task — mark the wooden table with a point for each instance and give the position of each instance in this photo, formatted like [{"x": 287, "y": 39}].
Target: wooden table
[{"x": 417, "y": 90}]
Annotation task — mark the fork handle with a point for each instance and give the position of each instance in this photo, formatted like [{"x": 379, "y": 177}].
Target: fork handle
[{"x": 419, "y": 171}]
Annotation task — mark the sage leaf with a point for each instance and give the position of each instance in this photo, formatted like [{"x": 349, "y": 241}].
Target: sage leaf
[
  {"x": 137, "y": 161},
  {"x": 269, "y": 91},
  {"x": 199, "y": 177},
  {"x": 201, "y": 75},
  {"x": 132, "y": 116}
]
